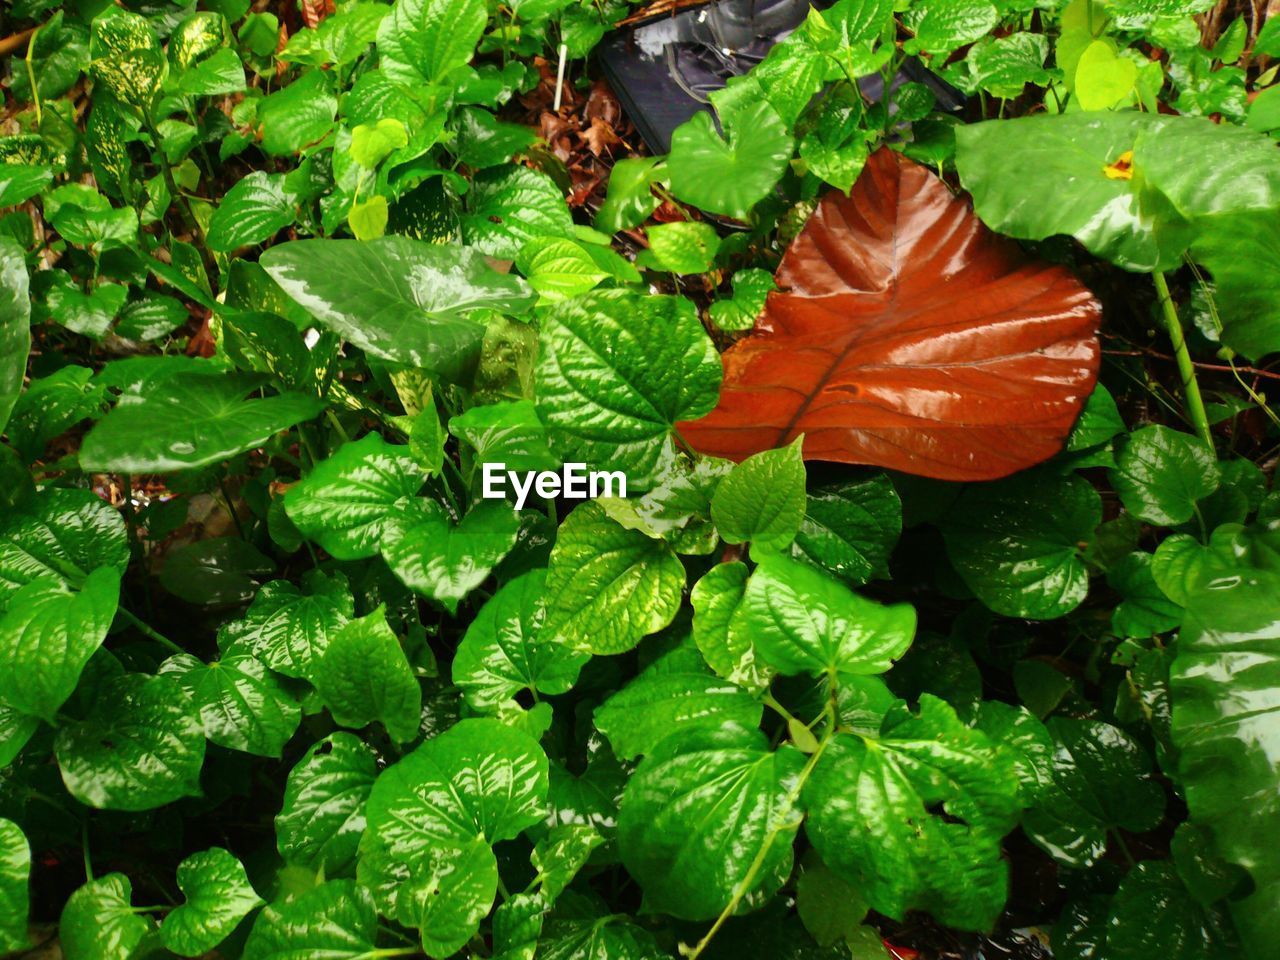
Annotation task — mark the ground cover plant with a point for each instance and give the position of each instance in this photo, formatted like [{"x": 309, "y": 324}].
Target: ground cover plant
[{"x": 941, "y": 613}]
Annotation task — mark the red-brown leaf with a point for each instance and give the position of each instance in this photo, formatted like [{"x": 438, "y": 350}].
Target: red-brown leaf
[{"x": 905, "y": 335}]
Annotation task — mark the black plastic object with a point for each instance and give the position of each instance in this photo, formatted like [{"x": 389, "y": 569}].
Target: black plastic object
[{"x": 664, "y": 70}]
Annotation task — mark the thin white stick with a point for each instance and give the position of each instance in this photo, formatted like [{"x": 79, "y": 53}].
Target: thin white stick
[{"x": 564, "y": 50}]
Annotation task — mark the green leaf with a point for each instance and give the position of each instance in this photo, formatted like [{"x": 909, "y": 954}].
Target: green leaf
[
  {"x": 684, "y": 246},
  {"x": 1099, "y": 421},
  {"x": 1103, "y": 78},
  {"x": 1153, "y": 914},
  {"x": 444, "y": 890},
  {"x": 615, "y": 374},
  {"x": 220, "y": 73},
  {"x": 446, "y": 561},
  {"x": 15, "y": 875},
  {"x": 398, "y": 298},
  {"x": 15, "y": 322},
  {"x": 504, "y": 652},
  {"x": 941, "y": 26},
  {"x": 1242, "y": 252},
  {"x": 558, "y": 269},
  {"x": 242, "y": 705},
  {"x": 62, "y": 535},
  {"x": 1003, "y": 66},
  {"x": 801, "y": 621},
  {"x": 47, "y": 635},
  {"x": 933, "y": 798},
  {"x": 608, "y": 587},
  {"x": 750, "y": 289},
  {"x": 629, "y": 200},
  {"x": 509, "y": 206},
  {"x": 126, "y": 57},
  {"x": 678, "y": 507},
  {"x": 19, "y": 182},
  {"x": 364, "y": 676},
  {"x": 424, "y": 40},
  {"x": 708, "y": 811},
  {"x": 673, "y": 695},
  {"x": 1016, "y": 543},
  {"x": 345, "y": 503},
  {"x": 287, "y": 629},
  {"x": 99, "y": 923},
  {"x": 829, "y": 906},
  {"x": 255, "y": 209},
  {"x": 336, "y": 921},
  {"x": 1113, "y": 217},
  {"x": 368, "y": 218},
  {"x": 1161, "y": 473},
  {"x": 561, "y": 854},
  {"x": 716, "y": 599},
  {"x": 187, "y": 421},
  {"x": 297, "y": 116},
  {"x": 219, "y": 896},
  {"x": 762, "y": 500},
  {"x": 1101, "y": 780},
  {"x": 509, "y": 433},
  {"x": 89, "y": 314},
  {"x": 479, "y": 777},
  {"x": 732, "y": 176},
  {"x": 1145, "y": 610},
  {"x": 322, "y": 817},
  {"x": 140, "y": 746},
  {"x": 1222, "y": 687},
  {"x": 221, "y": 570},
  {"x": 850, "y": 528}
]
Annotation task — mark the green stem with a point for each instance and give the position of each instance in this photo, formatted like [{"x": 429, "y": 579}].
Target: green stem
[
  {"x": 337, "y": 425},
  {"x": 184, "y": 208},
  {"x": 150, "y": 631},
  {"x": 1186, "y": 370},
  {"x": 31, "y": 75},
  {"x": 231, "y": 508}
]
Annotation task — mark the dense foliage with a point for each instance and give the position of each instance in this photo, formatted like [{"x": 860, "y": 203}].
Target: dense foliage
[{"x": 906, "y": 634}]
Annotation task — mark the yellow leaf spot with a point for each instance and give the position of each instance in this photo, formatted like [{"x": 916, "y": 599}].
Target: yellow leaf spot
[{"x": 1121, "y": 168}]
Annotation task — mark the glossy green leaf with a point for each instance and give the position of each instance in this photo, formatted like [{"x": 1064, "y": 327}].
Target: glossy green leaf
[
  {"x": 140, "y": 746},
  {"x": 729, "y": 176},
  {"x": 708, "y": 811},
  {"x": 558, "y": 268},
  {"x": 762, "y": 500},
  {"x": 478, "y": 778},
  {"x": 1101, "y": 780},
  {"x": 1016, "y": 543},
  {"x": 683, "y": 247},
  {"x": 1222, "y": 686},
  {"x": 1102, "y": 77},
  {"x": 504, "y": 653},
  {"x": 615, "y": 374},
  {"x": 47, "y": 635},
  {"x": 932, "y": 798},
  {"x": 289, "y": 629},
  {"x": 849, "y": 529},
  {"x": 561, "y": 854},
  {"x": 345, "y": 503},
  {"x": 630, "y": 199},
  {"x": 828, "y": 905},
  {"x": 218, "y": 896},
  {"x": 1152, "y": 914},
  {"x": 364, "y": 676},
  {"x": 297, "y": 116},
  {"x": 1145, "y": 610},
  {"x": 673, "y": 695},
  {"x": 253, "y": 210},
  {"x": 510, "y": 206},
  {"x": 221, "y": 570},
  {"x": 608, "y": 587},
  {"x": 242, "y": 705},
  {"x": 15, "y": 324},
  {"x": 99, "y": 923},
  {"x": 322, "y": 817},
  {"x": 941, "y": 26},
  {"x": 336, "y": 921},
  {"x": 424, "y": 40},
  {"x": 442, "y": 560},
  {"x": 396, "y": 297},
  {"x": 15, "y": 875},
  {"x": 716, "y": 599},
  {"x": 750, "y": 289},
  {"x": 1240, "y": 251},
  {"x": 61, "y": 535},
  {"x": 1161, "y": 473},
  {"x": 801, "y": 621},
  {"x": 508, "y": 432},
  {"x": 188, "y": 421}
]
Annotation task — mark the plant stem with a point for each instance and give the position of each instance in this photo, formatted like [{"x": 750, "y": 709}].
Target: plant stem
[
  {"x": 150, "y": 631},
  {"x": 1186, "y": 370},
  {"x": 184, "y": 208},
  {"x": 31, "y": 75}
]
